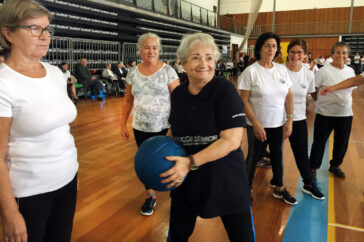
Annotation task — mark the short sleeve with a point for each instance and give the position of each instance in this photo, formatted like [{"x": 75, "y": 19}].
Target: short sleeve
[
  {"x": 172, "y": 75},
  {"x": 5, "y": 102},
  {"x": 230, "y": 108},
  {"x": 362, "y": 74},
  {"x": 311, "y": 82},
  {"x": 245, "y": 80},
  {"x": 130, "y": 75},
  {"x": 318, "y": 77}
]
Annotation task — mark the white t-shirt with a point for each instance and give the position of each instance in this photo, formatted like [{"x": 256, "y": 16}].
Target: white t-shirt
[
  {"x": 362, "y": 60},
  {"x": 362, "y": 74},
  {"x": 66, "y": 74},
  {"x": 268, "y": 90},
  {"x": 357, "y": 59},
  {"x": 337, "y": 103},
  {"x": 41, "y": 154},
  {"x": 303, "y": 82},
  {"x": 328, "y": 61},
  {"x": 348, "y": 61},
  {"x": 152, "y": 103}
]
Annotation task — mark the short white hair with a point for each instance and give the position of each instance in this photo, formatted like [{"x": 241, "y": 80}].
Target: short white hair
[
  {"x": 145, "y": 36},
  {"x": 190, "y": 40}
]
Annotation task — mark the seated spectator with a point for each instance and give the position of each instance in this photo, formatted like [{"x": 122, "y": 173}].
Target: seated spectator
[
  {"x": 71, "y": 89},
  {"x": 133, "y": 64},
  {"x": 108, "y": 74},
  {"x": 178, "y": 68},
  {"x": 229, "y": 66},
  {"x": 121, "y": 73},
  {"x": 241, "y": 65},
  {"x": 84, "y": 76}
]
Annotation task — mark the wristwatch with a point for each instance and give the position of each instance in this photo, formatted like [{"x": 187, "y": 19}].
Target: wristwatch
[{"x": 193, "y": 165}]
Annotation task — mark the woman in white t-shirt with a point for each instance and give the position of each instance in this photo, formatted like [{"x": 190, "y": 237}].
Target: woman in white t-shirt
[
  {"x": 38, "y": 157},
  {"x": 265, "y": 91},
  {"x": 333, "y": 111},
  {"x": 303, "y": 82},
  {"x": 148, "y": 89}
]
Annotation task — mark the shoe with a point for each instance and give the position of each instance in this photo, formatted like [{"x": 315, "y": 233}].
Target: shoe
[
  {"x": 99, "y": 99},
  {"x": 147, "y": 208},
  {"x": 271, "y": 184},
  {"x": 336, "y": 170},
  {"x": 285, "y": 196},
  {"x": 313, "y": 190},
  {"x": 264, "y": 163},
  {"x": 314, "y": 175}
]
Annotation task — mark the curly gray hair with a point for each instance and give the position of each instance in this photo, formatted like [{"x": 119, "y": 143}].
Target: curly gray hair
[
  {"x": 145, "y": 36},
  {"x": 190, "y": 40}
]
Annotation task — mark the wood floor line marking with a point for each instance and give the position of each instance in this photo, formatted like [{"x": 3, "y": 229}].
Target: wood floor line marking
[
  {"x": 357, "y": 141},
  {"x": 346, "y": 227}
]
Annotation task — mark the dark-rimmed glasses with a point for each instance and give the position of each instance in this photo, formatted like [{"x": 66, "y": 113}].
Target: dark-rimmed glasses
[{"x": 37, "y": 30}]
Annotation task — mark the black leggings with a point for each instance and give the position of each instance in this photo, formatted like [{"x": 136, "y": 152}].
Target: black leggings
[
  {"x": 239, "y": 226},
  {"x": 141, "y": 136},
  {"x": 49, "y": 216}
]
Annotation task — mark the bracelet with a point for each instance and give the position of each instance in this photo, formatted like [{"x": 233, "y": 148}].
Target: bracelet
[
  {"x": 289, "y": 115},
  {"x": 193, "y": 165}
]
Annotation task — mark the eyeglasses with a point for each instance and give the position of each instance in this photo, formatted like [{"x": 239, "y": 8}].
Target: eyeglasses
[
  {"x": 37, "y": 30},
  {"x": 296, "y": 52}
]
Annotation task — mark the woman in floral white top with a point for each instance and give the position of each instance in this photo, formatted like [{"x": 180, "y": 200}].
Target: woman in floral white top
[{"x": 148, "y": 89}]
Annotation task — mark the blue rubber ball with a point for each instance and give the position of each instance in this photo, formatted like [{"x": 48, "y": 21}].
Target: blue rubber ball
[{"x": 150, "y": 160}]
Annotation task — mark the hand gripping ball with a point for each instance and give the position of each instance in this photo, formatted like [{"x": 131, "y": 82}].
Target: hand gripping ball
[{"x": 150, "y": 160}]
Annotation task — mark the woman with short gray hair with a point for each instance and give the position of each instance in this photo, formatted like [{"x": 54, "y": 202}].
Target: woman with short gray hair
[
  {"x": 148, "y": 89},
  {"x": 207, "y": 118}
]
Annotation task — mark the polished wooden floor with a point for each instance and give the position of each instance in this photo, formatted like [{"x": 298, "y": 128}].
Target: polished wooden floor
[{"x": 110, "y": 194}]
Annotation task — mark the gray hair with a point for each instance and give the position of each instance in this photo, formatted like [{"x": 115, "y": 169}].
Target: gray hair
[
  {"x": 190, "y": 40},
  {"x": 340, "y": 44},
  {"x": 145, "y": 36},
  {"x": 13, "y": 12}
]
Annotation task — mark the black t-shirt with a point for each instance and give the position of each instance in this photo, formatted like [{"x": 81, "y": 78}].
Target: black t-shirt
[{"x": 219, "y": 187}]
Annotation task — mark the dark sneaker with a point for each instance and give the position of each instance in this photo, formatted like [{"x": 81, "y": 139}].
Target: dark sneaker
[
  {"x": 285, "y": 196},
  {"x": 264, "y": 163},
  {"x": 313, "y": 190},
  {"x": 147, "y": 208},
  {"x": 336, "y": 170},
  {"x": 271, "y": 184}
]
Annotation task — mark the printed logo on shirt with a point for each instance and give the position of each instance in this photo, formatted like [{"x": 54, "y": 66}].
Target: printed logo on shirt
[
  {"x": 303, "y": 85},
  {"x": 282, "y": 81},
  {"x": 238, "y": 115},
  {"x": 196, "y": 140}
]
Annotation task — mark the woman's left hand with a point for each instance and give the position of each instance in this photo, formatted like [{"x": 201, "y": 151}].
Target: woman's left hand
[
  {"x": 177, "y": 173},
  {"x": 287, "y": 129}
]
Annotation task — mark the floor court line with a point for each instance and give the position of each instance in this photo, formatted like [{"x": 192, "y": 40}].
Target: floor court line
[
  {"x": 308, "y": 220},
  {"x": 346, "y": 227}
]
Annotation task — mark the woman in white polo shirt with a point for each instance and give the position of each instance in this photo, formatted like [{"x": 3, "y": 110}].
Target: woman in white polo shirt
[
  {"x": 303, "y": 82},
  {"x": 265, "y": 91},
  {"x": 38, "y": 157},
  {"x": 333, "y": 111}
]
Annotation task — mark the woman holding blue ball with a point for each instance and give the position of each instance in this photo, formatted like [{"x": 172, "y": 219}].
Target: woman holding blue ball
[{"x": 207, "y": 118}]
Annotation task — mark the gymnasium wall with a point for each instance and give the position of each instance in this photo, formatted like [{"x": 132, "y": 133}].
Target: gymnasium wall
[{"x": 243, "y": 6}]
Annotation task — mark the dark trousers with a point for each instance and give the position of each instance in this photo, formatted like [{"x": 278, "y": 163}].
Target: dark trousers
[
  {"x": 299, "y": 144},
  {"x": 141, "y": 136},
  {"x": 357, "y": 68},
  {"x": 239, "y": 226},
  {"x": 256, "y": 150},
  {"x": 49, "y": 216},
  {"x": 322, "y": 129},
  {"x": 95, "y": 86}
]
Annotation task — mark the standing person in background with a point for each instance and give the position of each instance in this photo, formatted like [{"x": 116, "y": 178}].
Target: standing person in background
[
  {"x": 357, "y": 63},
  {"x": 348, "y": 61},
  {"x": 362, "y": 64},
  {"x": 333, "y": 111},
  {"x": 303, "y": 82},
  {"x": 265, "y": 91},
  {"x": 38, "y": 157},
  {"x": 148, "y": 89}
]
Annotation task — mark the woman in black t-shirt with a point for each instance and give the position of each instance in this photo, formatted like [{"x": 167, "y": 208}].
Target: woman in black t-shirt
[{"x": 207, "y": 118}]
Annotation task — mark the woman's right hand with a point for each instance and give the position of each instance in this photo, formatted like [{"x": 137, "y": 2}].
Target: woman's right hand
[
  {"x": 259, "y": 132},
  {"x": 124, "y": 133},
  {"x": 326, "y": 90},
  {"x": 14, "y": 228}
]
